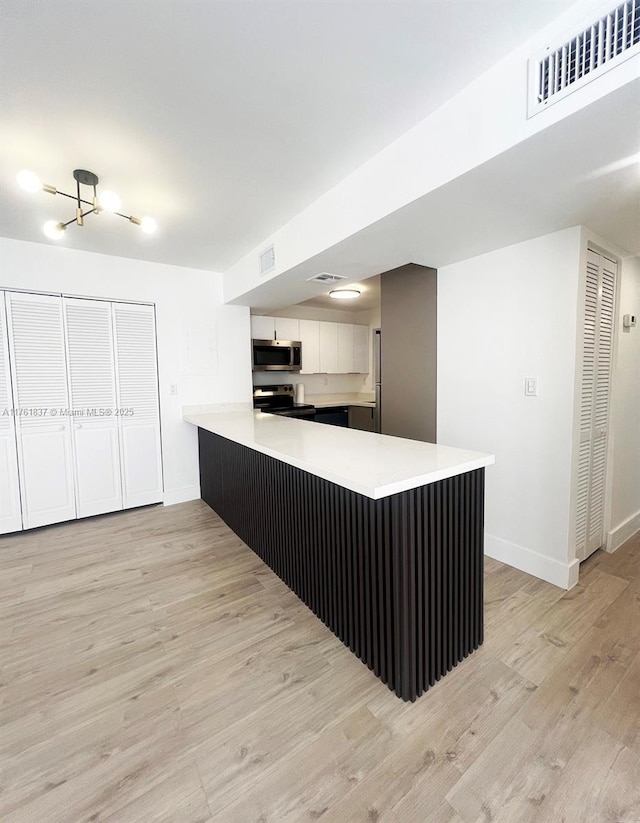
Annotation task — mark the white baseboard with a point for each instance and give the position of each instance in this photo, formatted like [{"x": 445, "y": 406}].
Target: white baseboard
[
  {"x": 622, "y": 532},
  {"x": 564, "y": 575},
  {"x": 181, "y": 495}
]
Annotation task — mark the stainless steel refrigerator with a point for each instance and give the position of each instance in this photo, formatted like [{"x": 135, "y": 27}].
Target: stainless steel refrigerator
[{"x": 377, "y": 377}]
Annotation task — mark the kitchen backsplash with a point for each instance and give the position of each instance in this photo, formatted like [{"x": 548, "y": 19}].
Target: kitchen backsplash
[{"x": 316, "y": 383}]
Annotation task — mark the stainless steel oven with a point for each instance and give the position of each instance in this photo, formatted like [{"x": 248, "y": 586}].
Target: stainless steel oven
[
  {"x": 277, "y": 355},
  {"x": 279, "y": 400}
]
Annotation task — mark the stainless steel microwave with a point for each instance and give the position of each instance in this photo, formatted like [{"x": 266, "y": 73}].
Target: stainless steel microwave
[{"x": 277, "y": 355}]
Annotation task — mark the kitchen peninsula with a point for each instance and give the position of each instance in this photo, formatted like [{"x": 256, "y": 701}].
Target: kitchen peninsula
[{"x": 380, "y": 536}]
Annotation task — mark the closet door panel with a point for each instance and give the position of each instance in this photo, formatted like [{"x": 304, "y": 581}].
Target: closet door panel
[
  {"x": 46, "y": 469},
  {"x": 10, "y": 511},
  {"x": 92, "y": 388},
  {"x": 141, "y": 460},
  {"x": 97, "y": 465},
  {"x": 43, "y": 427},
  {"x": 137, "y": 403},
  {"x": 597, "y": 353}
]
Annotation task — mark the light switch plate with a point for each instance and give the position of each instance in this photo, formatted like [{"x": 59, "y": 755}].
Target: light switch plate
[{"x": 531, "y": 386}]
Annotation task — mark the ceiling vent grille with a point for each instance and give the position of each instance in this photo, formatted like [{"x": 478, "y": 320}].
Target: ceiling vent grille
[
  {"x": 608, "y": 41},
  {"x": 325, "y": 277},
  {"x": 267, "y": 260}
]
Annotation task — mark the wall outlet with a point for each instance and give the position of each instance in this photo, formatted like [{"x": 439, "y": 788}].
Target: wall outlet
[
  {"x": 531, "y": 386},
  {"x": 325, "y": 380},
  {"x": 173, "y": 388}
]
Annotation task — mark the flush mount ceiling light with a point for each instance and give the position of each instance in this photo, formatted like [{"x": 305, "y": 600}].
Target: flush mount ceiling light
[
  {"x": 105, "y": 201},
  {"x": 344, "y": 294}
]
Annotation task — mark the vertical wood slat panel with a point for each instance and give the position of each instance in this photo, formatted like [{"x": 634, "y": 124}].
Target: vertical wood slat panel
[{"x": 398, "y": 580}]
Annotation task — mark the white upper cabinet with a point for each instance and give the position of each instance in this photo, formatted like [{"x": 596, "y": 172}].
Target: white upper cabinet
[
  {"x": 43, "y": 427},
  {"x": 310, "y": 339},
  {"x": 329, "y": 348},
  {"x": 262, "y": 327},
  {"x": 361, "y": 349},
  {"x": 287, "y": 328},
  {"x": 274, "y": 328},
  {"x": 92, "y": 388},
  {"x": 10, "y": 512},
  {"x": 345, "y": 348},
  {"x": 137, "y": 403}
]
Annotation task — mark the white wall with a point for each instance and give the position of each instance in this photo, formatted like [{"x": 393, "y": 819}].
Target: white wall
[
  {"x": 504, "y": 316},
  {"x": 625, "y": 467},
  {"x": 203, "y": 346}
]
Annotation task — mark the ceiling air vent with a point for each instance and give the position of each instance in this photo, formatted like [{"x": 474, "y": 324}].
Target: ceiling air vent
[
  {"x": 593, "y": 50},
  {"x": 325, "y": 277},
  {"x": 267, "y": 260}
]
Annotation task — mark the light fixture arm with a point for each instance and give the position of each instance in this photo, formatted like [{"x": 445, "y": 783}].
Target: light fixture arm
[{"x": 31, "y": 183}]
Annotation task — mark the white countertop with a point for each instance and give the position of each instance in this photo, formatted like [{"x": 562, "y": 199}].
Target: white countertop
[
  {"x": 323, "y": 400},
  {"x": 374, "y": 465}
]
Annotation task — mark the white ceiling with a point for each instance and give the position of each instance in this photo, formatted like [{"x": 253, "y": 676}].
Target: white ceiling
[
  {"x": 369, "y": 296},
  {"x": 584, "y": 170},
  {"x": 223, "y": 119}
]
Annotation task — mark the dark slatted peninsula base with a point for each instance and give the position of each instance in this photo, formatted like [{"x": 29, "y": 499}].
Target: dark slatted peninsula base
[{"x": 398, "y": 580}]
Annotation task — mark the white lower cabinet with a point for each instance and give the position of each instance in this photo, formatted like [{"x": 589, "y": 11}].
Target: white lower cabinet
[
  {"x": 46, "y": 473},
  {"x": 97, "y": 466}
]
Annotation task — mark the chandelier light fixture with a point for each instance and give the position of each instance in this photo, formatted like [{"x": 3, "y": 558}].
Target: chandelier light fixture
[
  {"x": 344, "y": 294},
  {"x": 105, "y": 201}
]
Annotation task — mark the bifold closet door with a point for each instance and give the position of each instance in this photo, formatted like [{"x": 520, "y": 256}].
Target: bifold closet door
[
  {"x": 43, "y": 422},
  {"x": 10, "y": 511},
  {"x": 597, "y": 353},
  {"x": 137, "y": 403},
  {"x": 92, "y": 389}
]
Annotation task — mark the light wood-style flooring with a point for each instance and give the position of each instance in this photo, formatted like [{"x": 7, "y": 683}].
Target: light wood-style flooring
[{"x": 153, "y": 669}]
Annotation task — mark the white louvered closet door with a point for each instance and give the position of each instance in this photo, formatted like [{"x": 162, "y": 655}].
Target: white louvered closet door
[
  {"x": 10, "y": 512},
  {"x": 599, "y": 313},
  {"x": 137, "y": 403},
  {"x": 43, "y": 426},
  {"x": 92, "y": 389}
]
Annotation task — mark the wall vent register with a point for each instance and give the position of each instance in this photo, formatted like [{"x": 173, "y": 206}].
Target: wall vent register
[{"x": 588, "y": 53}]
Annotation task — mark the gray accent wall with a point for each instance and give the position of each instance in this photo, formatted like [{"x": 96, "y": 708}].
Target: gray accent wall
[{"x": 409, "y": 316}]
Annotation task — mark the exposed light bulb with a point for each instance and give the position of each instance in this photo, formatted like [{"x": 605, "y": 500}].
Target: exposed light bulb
[
  {"x": 29, "y": 181},
  {"x": 54, "y": 230},
  {"x": 148, "y": 225},
  {"x": 109, "y": 201}
]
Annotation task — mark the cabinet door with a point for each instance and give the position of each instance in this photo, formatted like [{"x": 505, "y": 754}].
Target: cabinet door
[
  {"x": 92, "y": 389},
  {"x": 361, "y": 349},
  {"x": 43, "y": 426},
  {"x": 362, "y": 417},
  {"x": 263, "y": 328},
  {"x": 287, "y": 328},
  {"x": 345, "y": 348},
  {"x": 10, "y": 512},
  {"x": 328, "y": 348},
  {"x": 310, "y": 339},
  {"x": 137, "y": 403}
]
